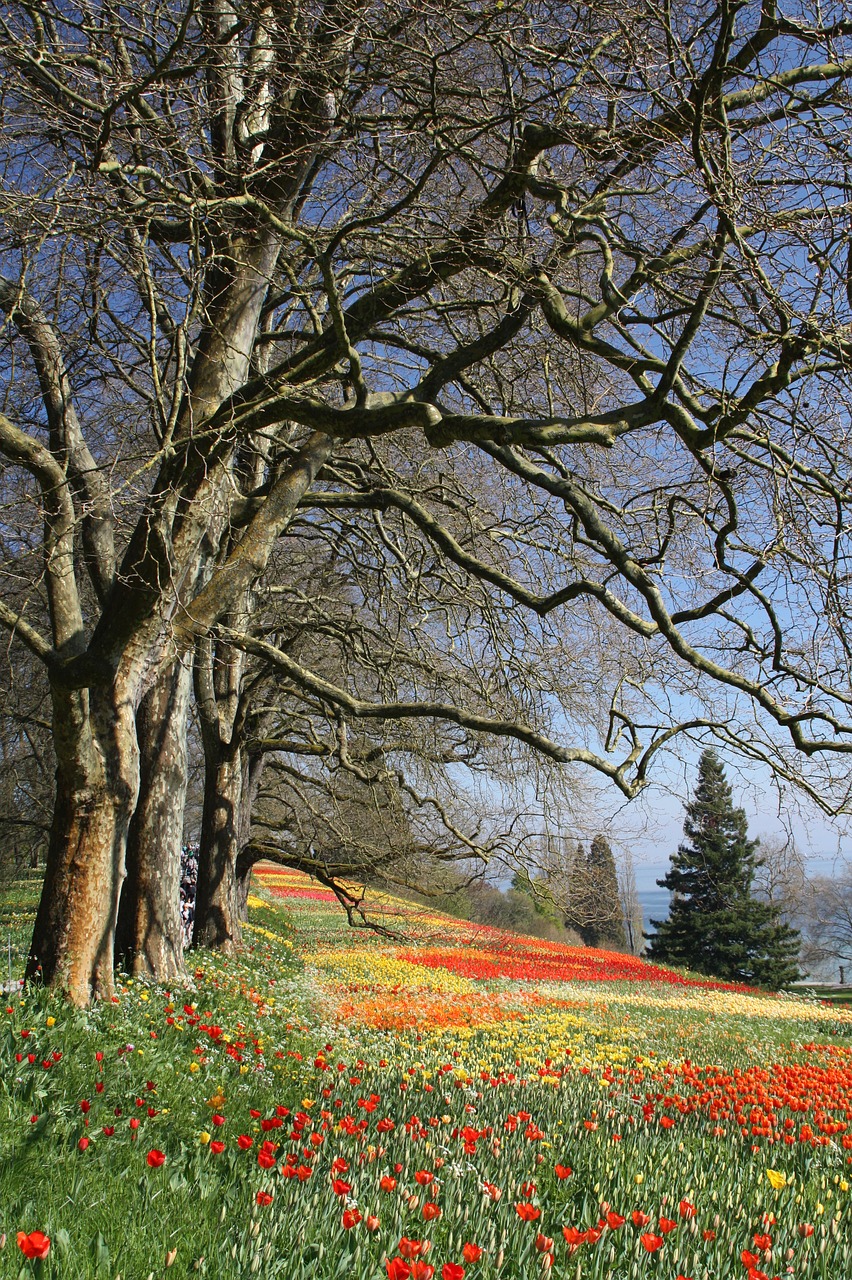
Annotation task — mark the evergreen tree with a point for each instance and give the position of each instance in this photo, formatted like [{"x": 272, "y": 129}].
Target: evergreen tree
[
  {"x": 594, "y": 904},
  {"x": 715, "y": 925},
  {"x": 607, "y": 926}
]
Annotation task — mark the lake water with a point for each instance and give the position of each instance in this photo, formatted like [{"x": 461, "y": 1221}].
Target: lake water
[{"x": 655, "y": 905}]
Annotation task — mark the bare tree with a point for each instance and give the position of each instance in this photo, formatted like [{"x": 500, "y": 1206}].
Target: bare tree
[
  {"x": 631, "y": 906},
  {"x": 826, "y": 916},
  {"x": 604, "y": 274}
]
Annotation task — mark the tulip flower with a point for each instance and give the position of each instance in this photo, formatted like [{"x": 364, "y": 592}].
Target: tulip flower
[
  {"x": 156, "y": 1158},
  {"x": 527, "y": 1212},
  {"x": 263, "y": 1198},
  {"x": 452, "y": 1271},
  {"x": 412, "y": 1248},
  {"x": 471, "y": 1252},
  {"x": 397, "y": 1269},
  {"x": 34, "y": 1245},
  {"x": 651, "y": 1242}
]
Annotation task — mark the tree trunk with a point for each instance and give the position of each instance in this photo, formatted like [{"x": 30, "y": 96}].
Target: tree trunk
[
  {"x": 223, "y": 833},
  {"x": 96, "y": 786},
  {"x": 245, "y": 864},
  {"x": 149, "y": 938}
]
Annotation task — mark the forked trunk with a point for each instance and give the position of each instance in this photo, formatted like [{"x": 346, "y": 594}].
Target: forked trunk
[
  {"x": 96, "y": 785},
  {"x": 149, "y": 939}
]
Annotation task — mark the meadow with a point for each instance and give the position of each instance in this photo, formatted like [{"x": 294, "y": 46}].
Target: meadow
[{"x": 449, "y": 1101}]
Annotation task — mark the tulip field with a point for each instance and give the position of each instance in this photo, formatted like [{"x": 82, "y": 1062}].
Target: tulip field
[{"x": 438, "y": 1099}]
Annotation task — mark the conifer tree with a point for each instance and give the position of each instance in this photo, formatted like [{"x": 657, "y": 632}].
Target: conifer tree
[
  {"x": 716, "y": 925},
  {"x": 607, "y": 925},
  {"x": 594, "y": 902}
]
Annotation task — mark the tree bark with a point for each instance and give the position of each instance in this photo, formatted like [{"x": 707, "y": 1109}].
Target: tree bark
[
  {"x": 224, "y": 830},
  {"x": 96, "y": 786},
  {"x": 149, "y": 938},
  {"x": 244, "y": 865}
]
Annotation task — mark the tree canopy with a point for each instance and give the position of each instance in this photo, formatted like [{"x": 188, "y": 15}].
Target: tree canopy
[{"x": 537, "y": 316}]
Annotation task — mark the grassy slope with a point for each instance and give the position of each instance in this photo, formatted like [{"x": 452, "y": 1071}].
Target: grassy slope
[{"x": 420, "y": 1040}]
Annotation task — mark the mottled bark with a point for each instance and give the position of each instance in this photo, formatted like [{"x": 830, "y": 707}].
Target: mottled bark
[
  {"x": 96, "y": 785},
  {"x": 149, "y": 938}
]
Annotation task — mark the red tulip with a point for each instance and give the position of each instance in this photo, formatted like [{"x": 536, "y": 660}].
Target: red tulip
[
  {"x": 543, "y": 1243},
  {"x": 217, "y": 1148},
  {"x": 614, "y": 1220},
  {"x": 471, "y": 1252},
  {"x": 527, "y": 1212},
  {"x": 84, "y": 1106},
  {"x": 372, "y": 1221},
  {"x": 340, "y": 1188},
  {"x": 263, "y": 1198},
  {"x": 82, "y": 1144},
  {"x": 397, "y": 1269},
  {"x": 651, "y": 1242},
  {"x": 667, "y": 1225},
  {"x": 431, "y": 1211},
  {"x": 34, "y": 1245},
  {"x": 217, "y": 1119},
  {"x": 422, "y": 1271},
  {"x": 639, "y": 1218},
  {"x": 412, "y": 1248},
  {"x": 452, "y": 1271},
  {"x": 244, "y": 1142},
  {"x": 805, "y": 1230},
  {"x": 351, "y": 1218},
  {"x": 108, "y": 1130},
  {"x": 562, "y": 1171},
  {"x": 156, "y": 1158},
  {"x": 387, "y": 1184},
  {"x": 422, "y": 1177}
]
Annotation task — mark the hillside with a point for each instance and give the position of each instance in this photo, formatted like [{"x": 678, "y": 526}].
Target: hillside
[{"x": 451, "y": 1101}]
